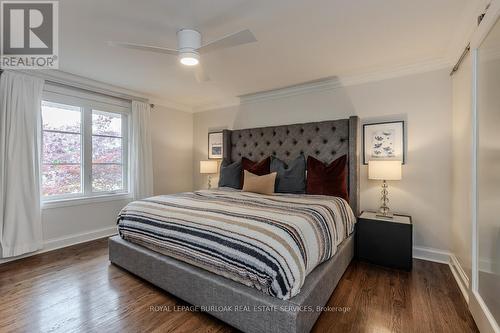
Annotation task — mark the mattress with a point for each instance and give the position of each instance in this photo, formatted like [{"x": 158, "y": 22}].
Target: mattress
[{"x": 268, "y": 242}]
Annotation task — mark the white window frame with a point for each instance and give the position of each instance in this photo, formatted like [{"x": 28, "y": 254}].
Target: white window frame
[{"x": 87, "y": 103}]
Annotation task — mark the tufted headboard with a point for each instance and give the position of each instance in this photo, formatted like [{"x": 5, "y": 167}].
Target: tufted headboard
[{"x": 325, "y": 141}]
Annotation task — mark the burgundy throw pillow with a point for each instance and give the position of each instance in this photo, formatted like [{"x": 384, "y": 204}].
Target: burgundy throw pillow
[
  {"x": 328, "y": 179},
  {"x": 257, "y": 168}
]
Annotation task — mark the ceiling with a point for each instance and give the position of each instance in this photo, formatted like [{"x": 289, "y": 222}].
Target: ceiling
[{"x": 298, "y": 41}]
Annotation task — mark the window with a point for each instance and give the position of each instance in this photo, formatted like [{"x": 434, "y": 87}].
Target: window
[
  {"x": 107, "y": 157},
  {"x": 62, "y": 149},
  {"x": 84, "y": 147}
]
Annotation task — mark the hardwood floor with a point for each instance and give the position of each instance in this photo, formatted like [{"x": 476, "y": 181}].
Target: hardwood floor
[{"x": 76, "y": 289}]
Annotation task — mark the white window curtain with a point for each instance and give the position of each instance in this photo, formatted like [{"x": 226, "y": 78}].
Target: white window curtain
[
  {"x": 141, "y": 153},
  {"x": 20, "y": 122}
]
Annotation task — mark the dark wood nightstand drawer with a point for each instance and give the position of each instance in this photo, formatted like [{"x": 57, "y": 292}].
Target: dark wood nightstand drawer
[{"x": 385, "y": 242}]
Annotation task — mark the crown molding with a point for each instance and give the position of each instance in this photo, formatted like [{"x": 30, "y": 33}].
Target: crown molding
[
  {"x": 330, "y": 83},
  {"x": 293, "y": 90},
  {"x": 80, "y": 82},
  {"x": 221, "y": 104},
  {"x": 395, "y": 72}
]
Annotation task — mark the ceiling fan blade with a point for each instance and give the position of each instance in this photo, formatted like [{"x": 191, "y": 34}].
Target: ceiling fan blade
[
  {"x": 200, "y": 74},
  {"x": 141, "y": 47},
  {"x": 235, "y": 39}
]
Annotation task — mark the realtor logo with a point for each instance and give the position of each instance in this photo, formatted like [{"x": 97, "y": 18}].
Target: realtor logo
[{"x": 29, "y": 34}]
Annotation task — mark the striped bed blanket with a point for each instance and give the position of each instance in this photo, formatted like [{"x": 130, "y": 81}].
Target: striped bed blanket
[{"x": 269, "y": 242}]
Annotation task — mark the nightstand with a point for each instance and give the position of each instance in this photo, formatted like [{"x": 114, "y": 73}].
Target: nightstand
[{"x": 385, "y": 241}]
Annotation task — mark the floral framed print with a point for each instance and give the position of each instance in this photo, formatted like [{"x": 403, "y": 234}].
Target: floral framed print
[
  {"x": 384, "y": 141},
  {"x": 215, "y": 145}
]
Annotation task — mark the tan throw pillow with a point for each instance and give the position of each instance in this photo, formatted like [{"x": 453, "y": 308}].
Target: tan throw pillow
[{"x": 259, "y": 184}]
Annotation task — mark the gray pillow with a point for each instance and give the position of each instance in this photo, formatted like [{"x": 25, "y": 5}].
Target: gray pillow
[
  {"x": 291, "y": 178},
  {"x": 230, "y": 174}
]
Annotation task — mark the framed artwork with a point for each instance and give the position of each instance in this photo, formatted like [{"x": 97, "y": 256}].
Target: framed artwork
[
  {"x": 215, "y": 145},
  {"x": 384, "y": 141}
]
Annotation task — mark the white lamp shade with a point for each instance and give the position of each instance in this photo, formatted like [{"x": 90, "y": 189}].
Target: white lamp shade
[
  {"x": 208, "y": 167},
  {"x": 384, "y": 170}
]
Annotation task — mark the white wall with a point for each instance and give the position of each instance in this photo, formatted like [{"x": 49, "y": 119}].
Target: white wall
[
  {"x": 461, "y": 226},
  {"x": 423, "y": 100},
  {"x": 172, "y": 150},
  {"x": 72, "y": 224}
]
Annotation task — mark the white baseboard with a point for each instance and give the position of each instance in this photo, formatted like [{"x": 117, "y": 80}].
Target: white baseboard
[
  {"x": 57, "y": 243},
  {"x": 431, "y": 254},
  {"x": 482, "y": 316},
  {"x": 445, "y": 257},
  {"x": 460, "y": 276}
]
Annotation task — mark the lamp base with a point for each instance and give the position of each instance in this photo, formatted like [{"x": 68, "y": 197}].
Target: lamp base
[{"x": 384, "y": 210}]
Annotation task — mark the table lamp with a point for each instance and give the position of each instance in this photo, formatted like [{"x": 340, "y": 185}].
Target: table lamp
[
  {"x": 384, "y": 170},
  {"x": 209, "y": 168}
]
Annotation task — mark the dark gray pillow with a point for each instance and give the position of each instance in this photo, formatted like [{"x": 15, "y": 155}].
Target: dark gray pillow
[
  {"x": 291, "y": 178},
  {"x": 230, "y": 174}
]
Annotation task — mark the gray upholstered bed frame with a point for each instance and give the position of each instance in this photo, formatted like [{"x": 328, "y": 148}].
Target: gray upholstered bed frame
[
  {"x": 325, "y": 140},
  {"x": 243, "y": 307}
]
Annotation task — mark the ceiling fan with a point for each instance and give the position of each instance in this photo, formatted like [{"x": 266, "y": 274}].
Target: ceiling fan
[{"x": 189, "y": 47}]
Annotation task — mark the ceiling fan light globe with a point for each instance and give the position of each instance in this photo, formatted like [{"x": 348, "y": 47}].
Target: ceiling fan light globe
[{"x": 189, "y": 59}]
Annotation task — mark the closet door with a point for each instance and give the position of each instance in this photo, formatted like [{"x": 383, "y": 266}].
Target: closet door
[{"x": 487, "y": 265}]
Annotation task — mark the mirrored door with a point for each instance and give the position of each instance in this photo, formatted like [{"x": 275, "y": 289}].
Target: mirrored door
[{"x": 487, "y": 266}]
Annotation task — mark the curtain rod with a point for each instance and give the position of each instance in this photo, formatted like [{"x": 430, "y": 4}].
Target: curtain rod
[
  {"x": 460, "y": 60},
  {"x": 124, "y": 97}
]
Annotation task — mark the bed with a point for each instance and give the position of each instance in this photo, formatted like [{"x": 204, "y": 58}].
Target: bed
[{"x": 271, "y": 282}]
